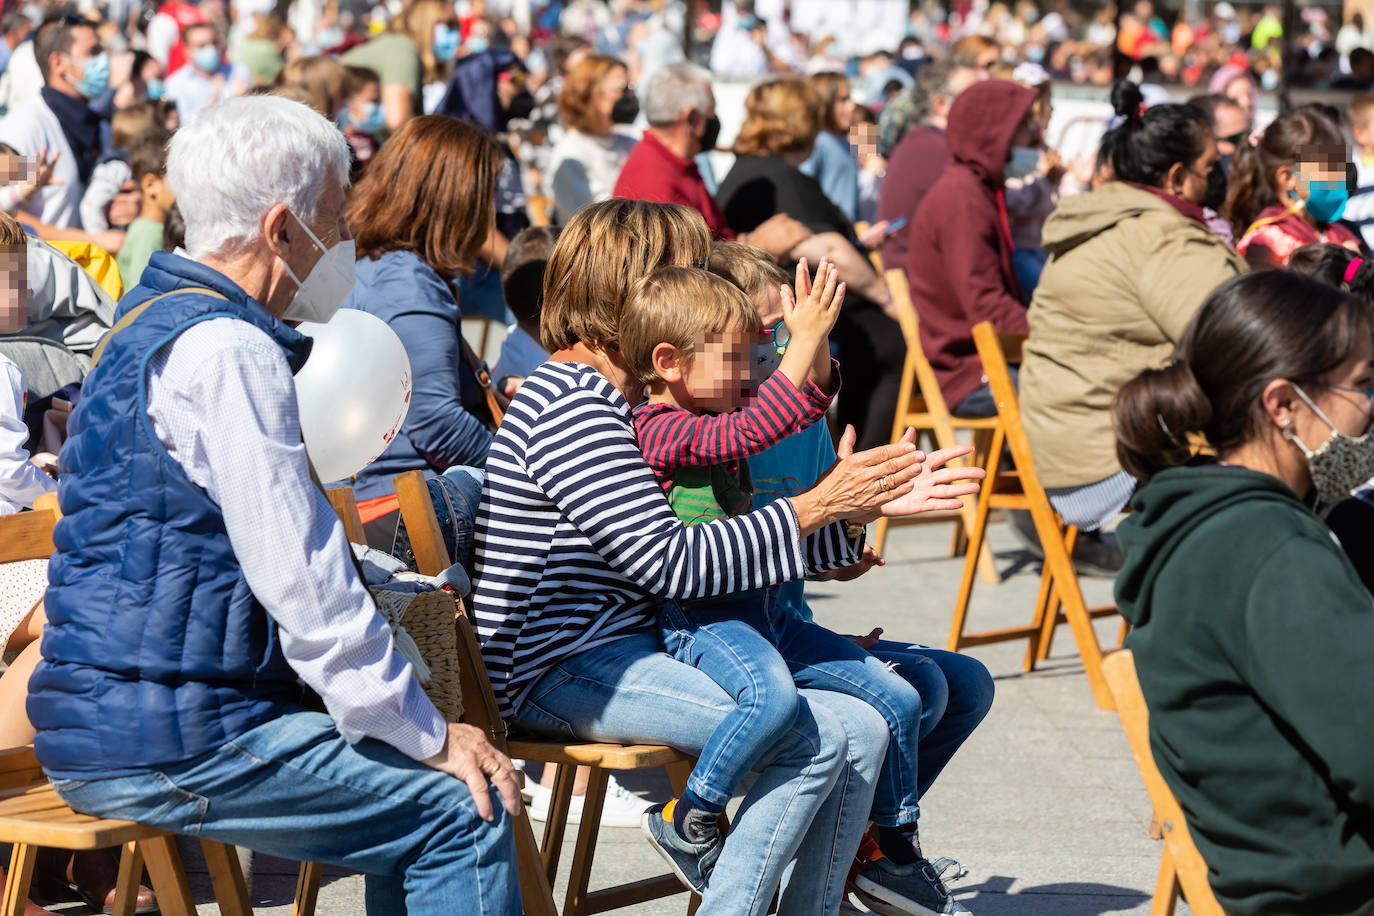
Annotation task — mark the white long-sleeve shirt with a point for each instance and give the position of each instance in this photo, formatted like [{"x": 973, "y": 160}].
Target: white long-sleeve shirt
[
  {"x": 223, "y": 404},
  {"x": 21, "y": 482}
]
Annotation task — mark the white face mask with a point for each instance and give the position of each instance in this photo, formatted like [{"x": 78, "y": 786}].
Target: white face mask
[
  {"x": 1339, "y": 465},
  {"x": 327, "y": 285}
]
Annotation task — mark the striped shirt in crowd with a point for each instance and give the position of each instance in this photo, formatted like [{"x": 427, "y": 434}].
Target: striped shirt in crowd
[{"x": 575, "y": 536}]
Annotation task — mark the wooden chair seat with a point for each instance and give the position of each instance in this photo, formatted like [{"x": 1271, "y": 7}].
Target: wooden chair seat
[{"x": 607, "y": 756}]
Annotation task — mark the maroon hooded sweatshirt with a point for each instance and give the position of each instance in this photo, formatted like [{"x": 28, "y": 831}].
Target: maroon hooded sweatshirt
[{"x": 959, "y": 265}]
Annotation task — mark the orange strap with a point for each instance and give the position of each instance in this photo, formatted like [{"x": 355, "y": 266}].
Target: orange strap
[{"x": 369, "y": 510}]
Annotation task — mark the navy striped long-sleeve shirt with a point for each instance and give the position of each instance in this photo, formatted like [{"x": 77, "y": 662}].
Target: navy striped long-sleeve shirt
[{"x": 575, "y": 536}]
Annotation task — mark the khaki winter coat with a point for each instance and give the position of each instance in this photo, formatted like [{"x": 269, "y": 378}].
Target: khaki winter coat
[{"x": 1126, "y": 274}]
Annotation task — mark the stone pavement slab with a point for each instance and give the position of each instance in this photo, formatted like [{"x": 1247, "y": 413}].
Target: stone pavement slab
[{"x": 1043, "y": 804}]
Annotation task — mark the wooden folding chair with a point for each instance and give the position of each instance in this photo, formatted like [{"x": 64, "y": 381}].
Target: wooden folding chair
[
  {"x": 921, "y": 406},
  {"x": 1181, "y": 868},
  {"x": 539, "y": 865},
  {"x": 874, "y": 256},
  {"x": 33, "y": 815},
  {"x": 1020, "y": 489}
]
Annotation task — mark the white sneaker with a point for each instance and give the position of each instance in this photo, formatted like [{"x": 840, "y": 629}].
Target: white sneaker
[{"x": 622, "y": 808}]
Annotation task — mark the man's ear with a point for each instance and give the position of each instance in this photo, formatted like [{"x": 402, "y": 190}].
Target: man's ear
[
  {"x": 668, "y": 362},
  {"x": 276, "y": 229}
]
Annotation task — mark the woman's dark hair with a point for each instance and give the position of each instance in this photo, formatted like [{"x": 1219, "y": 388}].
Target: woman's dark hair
[
  {"x": 1331, "y": 263},
  {"x": 1148, "y": 143},
  {"x": 1250, "y": 181},
  {"x": 173, "y": 229},
  {"x": 1261, "y": 326}
]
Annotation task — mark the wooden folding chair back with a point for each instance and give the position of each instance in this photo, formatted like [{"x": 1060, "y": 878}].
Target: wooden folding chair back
[
  {"x": 33, "y": 815},
  {"x": 1020, "y": 489},
  {"x": 1181, "y": 869},
  {"x": 539, "y": 865},
  {"x": 921, "y": 406}
]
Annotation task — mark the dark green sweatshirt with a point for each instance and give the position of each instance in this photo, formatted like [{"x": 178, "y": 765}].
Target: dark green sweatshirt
[{"x": 1254, "y": 640}]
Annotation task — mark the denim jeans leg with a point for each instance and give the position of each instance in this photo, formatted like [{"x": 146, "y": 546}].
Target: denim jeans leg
[
  {"x": 824, "y": 660},
  {"x": 822, "y": 864},
  {"x": 744, "y": 664},
  {"x": 630, "y": 691},
  {"x": 957, "y": 687},
  {"x": 294, "y": 788}
]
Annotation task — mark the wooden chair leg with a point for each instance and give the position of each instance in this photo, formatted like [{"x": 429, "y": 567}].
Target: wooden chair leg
[
  {"x": 226, "y": 876},
  {"x": 560, "y": 803},
  {"x": 580, "y": 875},
  {"x": 536, "y": 896},
  {"x": 1166, "y": 888},
  {"x": 126, "y": 884},
  {"x": 307, "y": 889},
  {"x": 1046, "y": 614},
  {"x": 1125, "y": 629},
  {"x": 1075, "y": 609},
  {"x": 19, "y": 878},
  {"x": 977, "y": 535},
  {"x": 880, "y": 535},
  {"x": 169, "y": 877}
]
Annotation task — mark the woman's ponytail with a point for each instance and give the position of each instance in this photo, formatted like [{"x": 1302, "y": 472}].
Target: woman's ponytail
[{"x": 1155, "y": 416}]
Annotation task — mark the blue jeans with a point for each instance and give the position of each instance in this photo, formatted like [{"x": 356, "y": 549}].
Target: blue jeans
[
  {"x": 815, "y": 785},
  {"x": 294, "y": 788},
  {"x": 756, "y": 650},
  {"x": 456, "y": 494},
  {"x": 724, "y": 637}
]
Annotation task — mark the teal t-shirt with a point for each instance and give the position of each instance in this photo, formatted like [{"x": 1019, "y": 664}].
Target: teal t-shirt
[{"x": 786, "y": 469}]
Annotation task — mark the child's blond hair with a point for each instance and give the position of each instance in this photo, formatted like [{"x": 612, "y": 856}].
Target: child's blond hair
[
  {"x": 12, "y": 235},
  {"x": 1361, "y": 110},
  {"x": 751, "y": 269},
  {"x": 679, "y": 306}
]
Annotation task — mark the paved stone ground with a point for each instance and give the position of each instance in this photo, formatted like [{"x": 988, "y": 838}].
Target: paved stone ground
[{"x": 1043, "y": 804}]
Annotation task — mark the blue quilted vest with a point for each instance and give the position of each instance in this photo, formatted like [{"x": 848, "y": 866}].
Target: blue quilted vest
[{"x": 156, "y": 651}]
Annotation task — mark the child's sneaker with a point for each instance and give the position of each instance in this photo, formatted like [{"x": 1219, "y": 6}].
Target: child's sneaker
[
  {"x": 905, "y": 890},
  {"x": 691, "y": 862}
]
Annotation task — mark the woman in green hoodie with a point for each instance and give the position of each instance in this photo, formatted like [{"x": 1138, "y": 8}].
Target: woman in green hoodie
[{"x": 1252, "y": 632}]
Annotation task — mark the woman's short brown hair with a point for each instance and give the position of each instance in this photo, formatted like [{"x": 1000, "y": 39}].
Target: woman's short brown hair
[
  {"x": 322, "y": 79},
  {"x": 575, "y": 101},
  {"x": 680, "y": 306},
  {"x": 602, "y": 252},
  {"x": 780, "y": 116},
  {"x": 432, "y": 190},
  {"x": 827, "y": 86}
]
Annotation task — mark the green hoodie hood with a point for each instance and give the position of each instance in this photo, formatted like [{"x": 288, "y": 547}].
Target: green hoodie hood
[
  {"x": 1178, "y": 504},
  {"x": 1083, "y": 216}
]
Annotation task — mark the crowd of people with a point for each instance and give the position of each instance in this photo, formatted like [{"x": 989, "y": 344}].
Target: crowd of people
[{"x": 691, "y": 413}]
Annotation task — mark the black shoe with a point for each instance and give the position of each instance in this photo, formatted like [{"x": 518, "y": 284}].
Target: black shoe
[
  {"x": 1097, "y": 554},
  {"x": 691, "y": 862}
]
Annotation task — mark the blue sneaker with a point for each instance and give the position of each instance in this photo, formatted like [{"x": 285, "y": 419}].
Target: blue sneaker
[
  {"x": 905, "y": 890},
  {"x": 691, "y": 862}
]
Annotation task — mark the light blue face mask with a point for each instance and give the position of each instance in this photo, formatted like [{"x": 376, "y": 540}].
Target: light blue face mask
[
  {"x": 478, "y": 43},
  {"x": 372, "y": 123},
  {"x": 155, "y": 89},
  {"x": 1326, "y": 200},
  {"x": 206, "y": 59},
  {"x": 446, "y": 42},
  {"x": 95, "y": 76},
  {"x": 1023, "y": 161}
]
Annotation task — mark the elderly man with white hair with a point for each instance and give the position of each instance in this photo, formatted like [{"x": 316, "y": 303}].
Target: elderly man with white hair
[{"x": 200, "y": 573}]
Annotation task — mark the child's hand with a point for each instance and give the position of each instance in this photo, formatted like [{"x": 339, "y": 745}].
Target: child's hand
[
  {"x": 811, "y": 313},
  {"x": 43, "y": 169}
]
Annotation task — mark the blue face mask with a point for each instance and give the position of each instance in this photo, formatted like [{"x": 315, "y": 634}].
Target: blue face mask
[
  {"x": 206, "y": 59},
  {"x": 446, "y": 42},
  {"x": 1326, "y": 200},
  {"x": 374, "y": 122},
  {"x": 156, "y": 89},
  {"x": 1023, "y": 161},
  {"x": 477, "y": 44},
  {"x": 95, "y": 76}
]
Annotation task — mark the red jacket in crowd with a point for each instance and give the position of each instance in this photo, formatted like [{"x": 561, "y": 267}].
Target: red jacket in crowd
[
  {"x": 960, "y": 265},
  {"x": 655, "y": 173}
]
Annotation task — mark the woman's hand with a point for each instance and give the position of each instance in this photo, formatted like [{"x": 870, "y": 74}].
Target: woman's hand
[
  {"x": 938, "y": 488},
  {"x": 858, "y": 483}
]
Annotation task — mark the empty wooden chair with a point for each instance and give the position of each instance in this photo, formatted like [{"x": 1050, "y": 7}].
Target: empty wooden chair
[
  {"x": 1019, "y": 488},
  {"x": 922, "y": 407},
  {"x": 539, "y": 865},
  {"x": 1181, "y": 868}
]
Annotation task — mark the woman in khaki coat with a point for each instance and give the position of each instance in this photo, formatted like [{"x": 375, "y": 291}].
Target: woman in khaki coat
[{"x": 1129, "y": 266}]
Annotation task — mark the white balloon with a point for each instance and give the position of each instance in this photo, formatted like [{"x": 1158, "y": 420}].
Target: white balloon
[{"x": 353, "y": 392}]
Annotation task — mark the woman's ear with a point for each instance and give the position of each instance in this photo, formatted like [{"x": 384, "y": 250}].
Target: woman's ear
[
  {"x": 668, "y": 362},
  {"x": 1279, "y": 400},
  {"x": 1173, "y": 179}
]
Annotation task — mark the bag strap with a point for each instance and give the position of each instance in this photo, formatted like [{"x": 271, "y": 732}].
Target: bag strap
[
  {"x": 483, "y": 372},
  {"x": 132, "y": 315}
]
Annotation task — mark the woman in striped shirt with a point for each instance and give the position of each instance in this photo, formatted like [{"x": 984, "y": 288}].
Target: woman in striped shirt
[{"x": 575, "y": 538}]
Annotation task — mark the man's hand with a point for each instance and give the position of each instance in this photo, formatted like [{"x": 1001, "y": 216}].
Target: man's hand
[
  {"x": 777, "y": 235},
  {"x": 470, "y": 757}
]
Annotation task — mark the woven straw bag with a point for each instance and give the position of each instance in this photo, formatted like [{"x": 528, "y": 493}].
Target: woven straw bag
[{"x": 426, "y": 620}]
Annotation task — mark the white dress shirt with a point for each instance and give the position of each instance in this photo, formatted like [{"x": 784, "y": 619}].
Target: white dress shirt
[
  {"x": 223, "y": 404},
  {"x": 21, "y": 482}
]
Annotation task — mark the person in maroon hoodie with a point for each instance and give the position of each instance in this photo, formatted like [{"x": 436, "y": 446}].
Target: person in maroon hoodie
[
  {"x": 959, "y": 265},
  {"x": 922, "y": 153}
]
